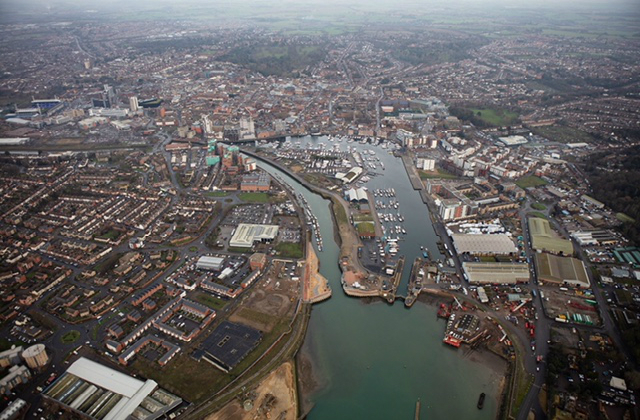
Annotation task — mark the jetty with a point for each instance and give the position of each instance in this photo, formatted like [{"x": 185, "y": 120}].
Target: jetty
[
  {"x": 415, "y": 282},
  {"x": 395, "y": 280},
  {"x": 316, "y": 286},
  {"x": 414, "y": 177}
]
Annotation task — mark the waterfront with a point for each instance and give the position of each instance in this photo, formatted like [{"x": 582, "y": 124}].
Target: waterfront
[{"x": 376, "y": 360}]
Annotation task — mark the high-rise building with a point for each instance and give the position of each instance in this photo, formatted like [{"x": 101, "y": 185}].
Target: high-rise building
[
  {"x": 109, "y": 94},
  {"x": 133, "y": 103},
  {"x": 247, "y": 128}
]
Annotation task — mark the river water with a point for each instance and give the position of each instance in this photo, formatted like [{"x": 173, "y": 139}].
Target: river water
[{"x": 376, "y": 360}]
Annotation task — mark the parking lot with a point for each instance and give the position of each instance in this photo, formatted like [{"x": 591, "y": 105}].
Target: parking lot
[{"x": 249, "y": 213}]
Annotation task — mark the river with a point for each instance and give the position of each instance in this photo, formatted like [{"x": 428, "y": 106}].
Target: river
[{"x": 376, "y": 360}]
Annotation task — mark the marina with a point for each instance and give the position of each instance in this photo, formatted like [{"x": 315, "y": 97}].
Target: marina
[
  {"x": 353, "y": 345},
  {"x": 312, "y": 222}
]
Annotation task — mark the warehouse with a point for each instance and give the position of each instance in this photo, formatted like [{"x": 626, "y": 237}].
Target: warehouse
[
  {"x": 561, "y": 270},
  {"x": 357, "y": 195},
  {"x": 96, "y": 391},
  {"x": 496, "y": 273},
  {"x": 513, "y": 140},
  {"x": 496, "y": 244},
  {"x": 209, "y": 263},
  {"x": 543, "y": 238},
  {"x": 228, "y": 345},
  {"x": 247, "y": 234}
]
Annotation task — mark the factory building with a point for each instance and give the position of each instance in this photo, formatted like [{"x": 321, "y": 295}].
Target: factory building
[
  {"x": 92, "y": 391},
  {"x": 246, "y": 234},
  {"x": 209, "y": 263}
]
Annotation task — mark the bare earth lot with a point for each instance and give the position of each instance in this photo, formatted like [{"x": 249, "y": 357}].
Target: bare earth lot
[{"x": 274, "y": 396}]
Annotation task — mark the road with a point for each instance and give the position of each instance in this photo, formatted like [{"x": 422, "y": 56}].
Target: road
[
  {"x": 544, "y": 323},
  {"x": 59, "y": 351}
]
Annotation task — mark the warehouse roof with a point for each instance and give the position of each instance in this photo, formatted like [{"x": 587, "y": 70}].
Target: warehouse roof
[
  {"x": 209, "y": 261},
  {"x": 105, "y": 377},
  {"x": 552, "y": 268},
  {"x": 228, "y": 344},
  {"x": 121, "y": 395},
  {"x": 247, "y": 234},
  {"x": 503, "y": 273},
  {"x": 357, "y": 194},
  {"x": 483, "y": 244},
  {"x": 545, "y": 239}
]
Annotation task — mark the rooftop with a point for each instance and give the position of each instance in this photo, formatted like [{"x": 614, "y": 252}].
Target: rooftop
[
  {"x": 503, "y": 273},
  {"x": 545, "y": 239},
  {"x": 247, "y": 234},
  {"x": 229, "y": 344},
  {"x": 500, "y": 244},
  {"x": 555, "y": 269}
]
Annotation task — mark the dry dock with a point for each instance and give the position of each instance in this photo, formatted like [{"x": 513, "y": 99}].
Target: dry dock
[
  {"x": 395, "y": 280},
  {"x": 415, "y": 283}
]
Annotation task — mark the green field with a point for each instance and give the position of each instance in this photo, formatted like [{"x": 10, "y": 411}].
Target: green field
[
  {"x": 437, "y": 174},
  {"x": 70, "y": 337},
  {"x": 564, "y": 134},
  {"x": 289, "y": 250},
  {"x": 361, "y": 217},
  {"x": 340, "y": 214},
  {"x": 6, "y": 344},
  {"x": 111, "y": 235},
  {"x": 366, "y": 228},
  {"x": 108, "y": 263},
  {"x": 538, "y": 214},
  {"x": 217, "y": 194},
  {"x": 254, "y": 197},
  {"x": 538, "y": 206},
  {"x": 498, "y": 118},
  {"x": 210, "y": 301},
  {"x": 197, "y": 381},
  {"x": 530, "y": 181}
]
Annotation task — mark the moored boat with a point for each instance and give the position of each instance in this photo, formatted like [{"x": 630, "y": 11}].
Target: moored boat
[{"x": 481, "y": 401}]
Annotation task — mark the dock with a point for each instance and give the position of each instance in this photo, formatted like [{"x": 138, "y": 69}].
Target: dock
[
  {"x": 417, "y": 416},
  {"x": 395, "y": 280},
  {"x": 414, "y": 178},
  {"x": 415, "y": 282}
]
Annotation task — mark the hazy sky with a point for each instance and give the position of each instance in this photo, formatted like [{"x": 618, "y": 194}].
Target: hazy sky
[{"x": 16, "y": 10}]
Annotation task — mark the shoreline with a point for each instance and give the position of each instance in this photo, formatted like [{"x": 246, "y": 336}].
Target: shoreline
[{"x": 308, "y": 380}]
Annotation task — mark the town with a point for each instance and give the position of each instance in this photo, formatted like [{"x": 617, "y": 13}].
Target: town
[{"x": 163, "y": 247}]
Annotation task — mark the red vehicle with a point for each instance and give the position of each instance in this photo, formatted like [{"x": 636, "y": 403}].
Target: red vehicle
[{"x": 51, "y": 379}]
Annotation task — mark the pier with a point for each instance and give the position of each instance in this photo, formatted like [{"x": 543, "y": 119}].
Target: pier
[
  {"x": 414, "y": 177},
  {"x": 415, "y": 283},
  {"x": 395, "y": 280}
]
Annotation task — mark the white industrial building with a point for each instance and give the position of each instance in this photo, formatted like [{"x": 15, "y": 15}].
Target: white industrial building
[
  {"x": 495, "y": 273},
  {"x": 497, "y": 244},
  {"x": 356, "y": 194},
  {"x": 513, "y": 140},
  {"x": 97, "y": 391},
  {"x": 246, "y": 234},
  {"x": 209, "y": 263}
]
